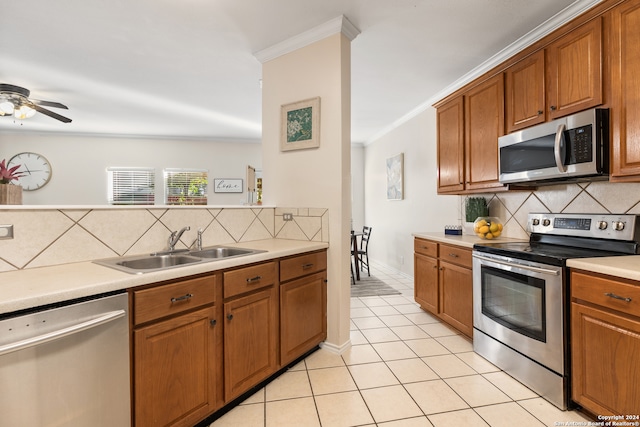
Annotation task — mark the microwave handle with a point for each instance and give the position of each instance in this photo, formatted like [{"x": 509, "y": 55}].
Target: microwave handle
[{"x": 556, "y": 148}]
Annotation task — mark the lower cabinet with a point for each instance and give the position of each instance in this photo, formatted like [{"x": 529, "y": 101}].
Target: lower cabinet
[
  {"x": 444, "y": 282},
  {"x": 200, "y": 343},
  {"x": 605, "y": 344},
  {"x": 174, "y": 353}
]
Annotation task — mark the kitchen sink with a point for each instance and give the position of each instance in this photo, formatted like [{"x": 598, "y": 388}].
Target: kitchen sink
[
  {"x": 164, "y": 260},
  {"x": 222, "y": 252}
]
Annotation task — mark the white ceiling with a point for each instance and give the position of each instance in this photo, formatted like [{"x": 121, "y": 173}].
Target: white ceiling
[{"x": 186, "y": 68}]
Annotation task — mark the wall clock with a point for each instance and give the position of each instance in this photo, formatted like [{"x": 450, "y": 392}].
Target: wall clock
[{"x": 35, "y": 168}]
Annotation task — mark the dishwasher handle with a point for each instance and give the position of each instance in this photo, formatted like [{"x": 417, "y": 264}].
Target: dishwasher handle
[{"x": 61, "y": 333}]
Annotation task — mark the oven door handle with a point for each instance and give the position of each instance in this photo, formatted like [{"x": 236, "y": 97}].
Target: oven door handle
[{"x": 524, "y": 267}]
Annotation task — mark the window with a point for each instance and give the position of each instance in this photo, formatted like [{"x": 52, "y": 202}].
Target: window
[
  {"x": 131, "y": 186},
  {"x": 185, "y": 186}
]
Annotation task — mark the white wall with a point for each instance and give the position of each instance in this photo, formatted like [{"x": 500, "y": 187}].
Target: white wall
[
  {"x": 422, "y": 209},
  {"x": 357, "y": 186},
  {"x": 317, "y": 177},
  {"x": 79, "y": 163}
]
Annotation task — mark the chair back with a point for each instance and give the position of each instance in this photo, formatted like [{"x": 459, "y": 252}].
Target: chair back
[{"x": 366, "y": 234}]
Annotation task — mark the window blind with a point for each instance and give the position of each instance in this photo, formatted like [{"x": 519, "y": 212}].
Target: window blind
[
  {"x": 131, "y": 186},
  {"x": 185, "y": 186}
]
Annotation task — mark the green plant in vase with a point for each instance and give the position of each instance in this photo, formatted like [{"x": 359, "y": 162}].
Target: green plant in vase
[{"x": 475, "y": 207}]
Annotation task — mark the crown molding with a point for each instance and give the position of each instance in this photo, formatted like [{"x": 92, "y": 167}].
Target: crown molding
[
  {"x": 542, "y": 30},
  {"x": 337, "y": 25}
]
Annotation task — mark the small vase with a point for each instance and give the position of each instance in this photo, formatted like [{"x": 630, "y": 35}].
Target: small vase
[{"x": 10, "y": 194}]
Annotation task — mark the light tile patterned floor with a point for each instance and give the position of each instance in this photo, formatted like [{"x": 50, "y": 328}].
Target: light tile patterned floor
[{"x": 405, "y": 369}]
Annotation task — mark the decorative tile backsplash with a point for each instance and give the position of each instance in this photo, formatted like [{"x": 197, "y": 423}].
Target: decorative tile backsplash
[
  {"x": 590, "y": 197},
  {"x": 57, "y": 236}
]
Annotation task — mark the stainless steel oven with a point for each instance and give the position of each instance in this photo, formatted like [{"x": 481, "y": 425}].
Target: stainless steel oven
[{"x": 521, "y": 293}]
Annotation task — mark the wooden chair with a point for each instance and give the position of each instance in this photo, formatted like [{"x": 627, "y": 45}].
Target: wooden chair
[{"x": 363, "y": 251}]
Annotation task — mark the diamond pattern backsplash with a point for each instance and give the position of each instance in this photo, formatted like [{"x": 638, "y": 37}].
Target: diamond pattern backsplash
[
  {"x": 57, "y": 236},
  {"x": 591, "y": 197}
]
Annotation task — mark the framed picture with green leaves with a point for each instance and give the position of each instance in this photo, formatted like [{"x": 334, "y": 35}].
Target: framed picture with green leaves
[{"x": 300, "y": 125}]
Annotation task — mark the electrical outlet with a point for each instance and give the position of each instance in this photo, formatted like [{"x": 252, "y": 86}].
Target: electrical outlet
[
  {"x": 6, "y": 231},
  {"x": 287, "y": 217}
]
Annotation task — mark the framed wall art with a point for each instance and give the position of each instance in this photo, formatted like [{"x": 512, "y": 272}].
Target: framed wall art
[
  {"x": 227, "y": 185},
  {"x": 395, "y": 175},
  {"x": 300, "y": 127}
]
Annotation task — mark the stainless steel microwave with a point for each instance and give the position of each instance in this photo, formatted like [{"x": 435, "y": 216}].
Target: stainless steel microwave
[{"x": 569, "y": 149}]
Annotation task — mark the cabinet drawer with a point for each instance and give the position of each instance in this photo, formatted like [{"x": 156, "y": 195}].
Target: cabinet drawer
[
  {"x": 606, "y": 292},
  {"x": 165, "y": 300},
  {"x": 302, "y": 265},
  {"x": 425, "y": 247},
  {"x": 456, "y": 255},
  {"x": 248, "y": 279}
]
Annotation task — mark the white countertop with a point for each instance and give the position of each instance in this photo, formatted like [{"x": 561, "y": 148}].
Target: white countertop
[
  {"x": 627, "y": 267},
  {"x": 465, "y": 240},
  {"x": 24, "y": 289}
]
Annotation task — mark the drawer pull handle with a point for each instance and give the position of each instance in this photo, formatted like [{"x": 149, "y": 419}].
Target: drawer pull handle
[
  {"x": 305, "y": 266},
  {"x": 182, "y": 298},
  {"x": 612, "y": 295},
  {"x": 254, "y": 279},
  {"x": 453, "y": 255}
]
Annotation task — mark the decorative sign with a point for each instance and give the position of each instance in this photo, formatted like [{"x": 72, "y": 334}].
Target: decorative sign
[{"x": 227, "y": 185}]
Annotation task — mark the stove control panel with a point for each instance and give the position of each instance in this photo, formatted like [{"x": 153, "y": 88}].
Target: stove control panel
[{"x": 602, "y": 226}]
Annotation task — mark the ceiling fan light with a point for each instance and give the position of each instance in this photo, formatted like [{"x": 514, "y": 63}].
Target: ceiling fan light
[
  {"x": 6, "y": 108},
  {"x": 24, "y": 112}
]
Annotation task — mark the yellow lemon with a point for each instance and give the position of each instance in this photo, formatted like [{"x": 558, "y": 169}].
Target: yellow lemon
[
  {"x": 480, "y": 235},
  {"x": 496, "y": 233},
  {"x": 488, "y": 236},
  {"x": 499, "y": 226},
  {"x": 494, "y": 227},
  {"x": 484, "y": 229},
  {"x": 481, "y": 223}
]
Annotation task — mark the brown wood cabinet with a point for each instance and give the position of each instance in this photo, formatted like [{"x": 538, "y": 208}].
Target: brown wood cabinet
[
  {"x": 444, "y": 282},
  {"x": 605, "y": 343},
  {"x": 574, "y": 70},
  {"x": 250, "y": 327},
  {"x": 483, "y": 124},
  {"x": 525, "y": 93},
  {"x": 625, "y": 91},
  {"x": 303, "y": 304},
  {"x": 175, "y": 361},
  {"x": 450, "y": 129}
]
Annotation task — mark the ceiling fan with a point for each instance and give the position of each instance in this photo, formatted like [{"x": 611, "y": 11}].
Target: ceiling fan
[{"x": 15, "y": 101}]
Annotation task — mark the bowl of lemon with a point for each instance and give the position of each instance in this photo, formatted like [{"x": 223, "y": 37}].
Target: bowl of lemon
[{"x": 487, "y": 227}]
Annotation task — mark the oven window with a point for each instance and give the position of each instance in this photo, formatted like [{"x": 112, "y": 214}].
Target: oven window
[{"x": 515, "y": 301}]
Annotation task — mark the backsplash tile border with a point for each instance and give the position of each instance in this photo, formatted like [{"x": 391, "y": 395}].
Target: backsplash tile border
[{"x": 61, "y": 235}]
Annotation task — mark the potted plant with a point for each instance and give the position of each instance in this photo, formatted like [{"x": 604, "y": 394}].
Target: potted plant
[
  {"x": 475, "y": 207},
  {"x": 10, "y": 194}
]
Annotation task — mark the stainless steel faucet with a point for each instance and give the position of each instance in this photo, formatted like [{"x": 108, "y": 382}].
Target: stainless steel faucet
[
  {"x": 198, "y": 241},
  {"x": 175, "y": 237}
]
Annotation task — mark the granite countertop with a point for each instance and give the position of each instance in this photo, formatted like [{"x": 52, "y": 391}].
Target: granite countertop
[
  {"x": 464, "y": 240},
  {"x": 29, "y": 288}
]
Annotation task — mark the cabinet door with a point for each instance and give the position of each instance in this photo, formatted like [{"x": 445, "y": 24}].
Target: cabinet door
[
  {"x": 426, "y": 282},
  {"x": 450, "y": 123},
  {"x": 484, "y": 123},
  {"x": 456, "y": 297},
  {"x": 525, "y": 93},
  {"x": 303, "y": 316},
  {"x": 250, "y": 340},
  {"x": 174, "y": 368},
  {"x": 574, "y": 70},
  {"x": 625, "y": 90},
  {"x": 605, "y": 349}
]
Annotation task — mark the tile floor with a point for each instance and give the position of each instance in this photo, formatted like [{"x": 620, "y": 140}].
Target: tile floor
[{"x": 404, "y": 369}]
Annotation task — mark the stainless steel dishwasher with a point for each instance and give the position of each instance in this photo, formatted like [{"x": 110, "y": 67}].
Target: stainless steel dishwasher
[{"x": 67, "y": 366}]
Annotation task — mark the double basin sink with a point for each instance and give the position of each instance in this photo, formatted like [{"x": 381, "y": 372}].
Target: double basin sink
[{"x": 164, "y": 260}]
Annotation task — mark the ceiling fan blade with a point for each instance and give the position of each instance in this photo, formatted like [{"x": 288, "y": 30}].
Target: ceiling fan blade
[
  {"x": 49, "y": 113},
  {"x": 49, "y": 104}
]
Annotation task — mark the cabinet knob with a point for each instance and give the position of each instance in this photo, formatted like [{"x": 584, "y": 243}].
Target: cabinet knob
[
  {"x": 540, "y": 112},
  {"x": 553, "y": 108},
  {"x": 213, "y": 322},
  {"x": 229, "y": 316}
]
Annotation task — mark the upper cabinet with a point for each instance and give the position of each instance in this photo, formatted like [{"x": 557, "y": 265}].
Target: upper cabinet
[
  {"x": 625, "y": 91},
  {"x": 574, "y": 70},
  {"x": 525, "y": 93},
  {"x": 450, "y": 122},
  {"x": 562, "y": 79},
  {"x": 483, "y": 124}
]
